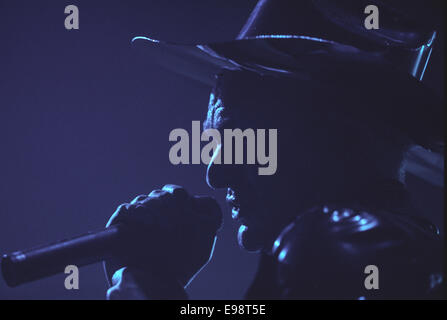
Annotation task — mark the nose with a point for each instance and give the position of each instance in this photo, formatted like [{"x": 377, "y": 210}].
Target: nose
[
  {"x": 214, "y": 175},
  {"x": 219, "y": 175}
]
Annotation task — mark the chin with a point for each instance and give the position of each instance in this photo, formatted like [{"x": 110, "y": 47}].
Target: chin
[{"x": 249, "y": 240}]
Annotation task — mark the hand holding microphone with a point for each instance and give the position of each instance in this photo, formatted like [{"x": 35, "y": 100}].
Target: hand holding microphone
[
  {"x": 160, "y": 239},
  {"x": 180, "y": 231}
]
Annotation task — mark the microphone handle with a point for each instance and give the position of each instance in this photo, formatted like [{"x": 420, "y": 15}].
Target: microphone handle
[{"x": 43, "y": 261}]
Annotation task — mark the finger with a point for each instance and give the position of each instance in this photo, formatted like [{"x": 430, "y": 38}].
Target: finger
[
  {"x": 139, "y": 198},
  {"x": 125, "y": 292},
  {"x": 113, "y": 294},
  {"x": 167, "y": 198},
  {"x": 124, "y": 287},
  {"x": 157, "y": 193},
  {"x": 177, "y": 191},
  {"x": 117, "y": 215}
]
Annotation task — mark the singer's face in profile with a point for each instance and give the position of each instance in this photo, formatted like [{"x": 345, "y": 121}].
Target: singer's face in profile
[
  {"x": 256, "y": 201},
  {"x": 323, "y": 155}
]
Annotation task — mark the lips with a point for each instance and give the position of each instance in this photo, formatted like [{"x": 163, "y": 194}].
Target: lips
[
  {"x": 234, "y": 204},
  {"x": 250, "y": 233},
  {"x": 235, "y": 212}
]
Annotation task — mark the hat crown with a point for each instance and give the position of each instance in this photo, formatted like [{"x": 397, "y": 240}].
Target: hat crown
[
  {"x": 406, "y": 42},
  {"x": 341, "y": 21}
]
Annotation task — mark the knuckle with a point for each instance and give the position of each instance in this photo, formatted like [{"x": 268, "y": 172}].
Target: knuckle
[
  {"x": 122, "y": 207},
  {"x": 138, "y": 199},
  {"x": 177, "y": 191},
  {"x": 172, "y": 188},
  {"x": 159, "y": 197},
  {"x": 156, "y": 194}
]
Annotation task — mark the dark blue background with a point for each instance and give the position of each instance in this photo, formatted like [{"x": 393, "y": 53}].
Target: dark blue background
[{"x": 84, "y": 126}]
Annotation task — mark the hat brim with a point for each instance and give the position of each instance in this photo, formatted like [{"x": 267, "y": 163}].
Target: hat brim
[
  {"x": 302, "y": 57},
  {"x": 294, "y": 56}
]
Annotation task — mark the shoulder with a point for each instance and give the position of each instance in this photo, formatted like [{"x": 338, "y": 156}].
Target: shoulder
[
  {"x": 353, "y": 230},
  {"x": 335, "y": 244}
]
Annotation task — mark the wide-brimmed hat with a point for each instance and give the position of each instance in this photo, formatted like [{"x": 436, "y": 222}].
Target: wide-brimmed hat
[{"x": 311, "y": 39}]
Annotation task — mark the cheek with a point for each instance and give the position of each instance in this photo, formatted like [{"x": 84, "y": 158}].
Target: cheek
[{"x": 280, "y": 190}]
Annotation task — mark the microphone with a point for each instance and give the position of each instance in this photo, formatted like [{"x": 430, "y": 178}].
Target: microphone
[
  {"x": 121, "y": 240},
  {"x": 25, "y": 266}
]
